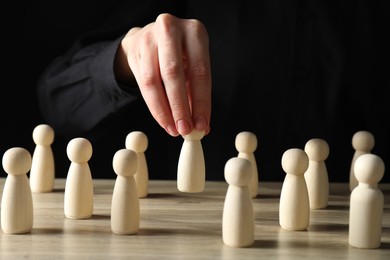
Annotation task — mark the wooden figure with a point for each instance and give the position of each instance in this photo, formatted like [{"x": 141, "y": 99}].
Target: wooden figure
[
  {"x": 16, "y": 202},
  {"x": 238, "y": 222},
  {"x": 316, "y": 175},
  {"x": 363, "y": 142},
  {"x": 191, "y": 173},
  {"x": 246, "y": 144},
  {"x": 125, "y": 209},
  {"x": 294, "y": 207},
  {"x": 138, "y": 142},
  {"x": 366, "y": 203},
  {"x": 42, "y": 173},
  {"x": 78, "y": 197}
]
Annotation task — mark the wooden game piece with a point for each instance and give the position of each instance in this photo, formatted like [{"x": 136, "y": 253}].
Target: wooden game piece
[
  {"x": 294, "y": 206},
  {"x": 363, "y": 142},
  {"x": 246, "y": 144},
  {"x": 191, "y": 167},
  {"x": 42, "y": 173},
  {"x": 316, "y": 175},
  {"x": 125, "y": 209},
  {"x": 78, "y": 197},
  {"x": 366, "y": 203},
  {"x": 16, "y": 201},
  {"x": 238, "y": 222},
  {"x": 138, "y": 142}
]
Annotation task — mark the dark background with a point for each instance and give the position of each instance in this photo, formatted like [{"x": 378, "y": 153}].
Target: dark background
[{"x": 31, "y": 40}]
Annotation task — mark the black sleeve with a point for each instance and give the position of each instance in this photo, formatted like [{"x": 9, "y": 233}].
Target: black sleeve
[{"x": 78, "y": 89}]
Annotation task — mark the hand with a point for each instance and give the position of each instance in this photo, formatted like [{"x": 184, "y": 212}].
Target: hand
[{"x": 170, "y": 61}]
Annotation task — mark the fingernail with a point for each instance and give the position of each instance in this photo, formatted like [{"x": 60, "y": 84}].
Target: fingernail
[
  {"x": 201, "y": 123},
  {"x": 183, "y": 127},
  {"x": 171, "y": 129}
]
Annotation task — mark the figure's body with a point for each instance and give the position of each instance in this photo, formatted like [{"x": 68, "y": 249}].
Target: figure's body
[
  {"x": 17, "y": 212},
  {"x": 316, "y": 175},
  {"x": 42, "y": 173},
  {"x": 366, "y": 203},
  {"x": 294, "y": 207},
  {"x": 246, "y": 144},
  {"x": 78, "y": 196},
  {"x": 238, "y": 221},
  {"x": 138, "y": 142},
  {"x": 362, "y": 142},
  {"x": 191, "y": 171},
  {"x": 125, "y": 208}
]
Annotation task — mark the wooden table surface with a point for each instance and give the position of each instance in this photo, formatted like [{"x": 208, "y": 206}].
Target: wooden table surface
[{"x": 176, "y": 225}]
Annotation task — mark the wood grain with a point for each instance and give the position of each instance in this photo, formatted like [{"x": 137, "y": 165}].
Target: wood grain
[{"x": 176, "y": 225}]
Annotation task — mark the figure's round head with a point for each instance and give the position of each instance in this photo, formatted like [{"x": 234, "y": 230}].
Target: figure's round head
[
  {"x": 43, "y": 135},
  {"x": 137, "y": 141},
  {"x": 195, "y": 135},
  {"x": 363, "y": 141},
  {"x": 246, "y": 142},
  {"x": 317, "y": 149},
  {"x": 238, "y": 171},
  {"x": 295, "y": 161},
  {"x": 17, "y": 161},
  {"x": 79, "y": 150},
  {"x": 125, "y": 162},
  {"x": 369, "y": 168}
]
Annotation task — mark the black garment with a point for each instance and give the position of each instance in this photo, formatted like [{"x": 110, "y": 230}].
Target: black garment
[{"x": 286, "y": 70}]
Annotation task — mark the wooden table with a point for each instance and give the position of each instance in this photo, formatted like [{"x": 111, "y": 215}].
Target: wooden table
[{"x": 177, "y": 225}]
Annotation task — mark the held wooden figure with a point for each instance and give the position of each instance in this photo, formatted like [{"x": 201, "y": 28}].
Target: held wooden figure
[
  {"x": 238, "y": 222},
  {"x": 138, "y": 142},
  {"x": 42, "y": 168},
  {"x": 191, "y": 167},
  {"x": 294, "y": 207},
  {"x": 125, "y": 209},
  {"x": 246, "y": 144},
  {"x": 366, "y": 203},
  {"x": 78, "y": 197},
  {"x": 16, "y": 202}
]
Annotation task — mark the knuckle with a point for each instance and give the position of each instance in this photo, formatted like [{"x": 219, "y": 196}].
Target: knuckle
[
  {"x": 160, "y": 116},
  {"x": 197, "y": 28},
  {"x": 200, "y": 71},
  {"x": 176, "y": 107},
  {"x": 177, "y": 110},
  {"x": 165, "y": 21},
  {"x": 147, "y": 38},
  {"x": 147, "y": 81},
  {"x": 170, "y": 69}
]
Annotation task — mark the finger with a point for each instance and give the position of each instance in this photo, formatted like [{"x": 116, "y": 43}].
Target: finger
[
  {"x": 150, "y": 84},
  {"x": 198, "y": 73},
  {"x": 172, "y": 73}
]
